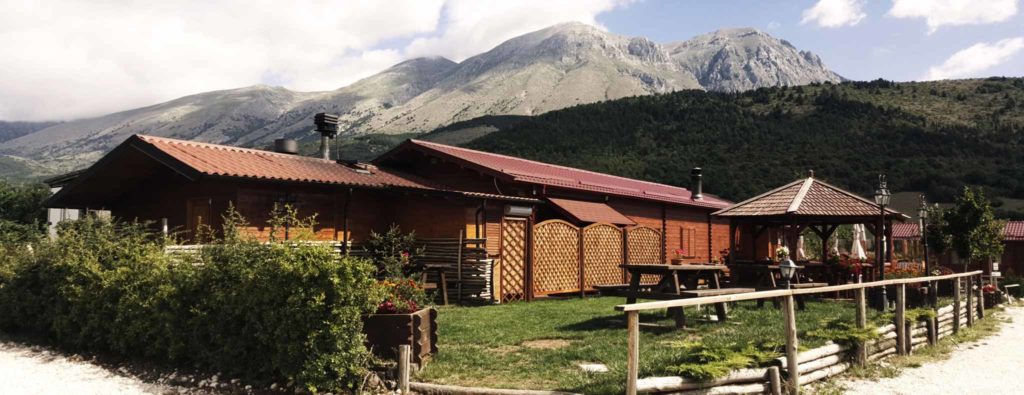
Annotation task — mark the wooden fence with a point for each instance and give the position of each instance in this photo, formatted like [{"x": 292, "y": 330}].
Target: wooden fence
[
  {"x": 898, "y": 338},
  {"x": 567, "y": 258}
]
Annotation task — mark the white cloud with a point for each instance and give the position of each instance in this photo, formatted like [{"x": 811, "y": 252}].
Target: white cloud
[
  {"x": 976, "y": 58},
  {"x": 75, "y": 58},
  {"x": 835, "y": 13},
  {"x": 940, "y": 13},
  {"x": 66, "y": 59},
  {"x": 476, "y": 26}
]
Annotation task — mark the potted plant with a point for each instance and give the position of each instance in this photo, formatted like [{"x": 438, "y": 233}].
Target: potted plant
[
  {"x": 991, "y": 295},
  {"x": 402, "y": 318},
  {"x": 678, "y": 260}
]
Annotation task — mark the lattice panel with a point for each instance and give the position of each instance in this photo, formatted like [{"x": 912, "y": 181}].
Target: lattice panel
[
  {"x": 602, "y": 255},
  {"x": 556, "y": 264},
  {"x": 644, "y": 248},
  {"x": 513, "y": 260}
]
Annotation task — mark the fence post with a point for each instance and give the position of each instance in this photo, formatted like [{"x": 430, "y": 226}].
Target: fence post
[
  {"x": 981, "y": 299},
  {"x": 956, "y": 305},
  {"x": 862, "y": 322},
  {"x": 970, "y": 300},
  {"x": 792, "y": 362},
  {"x": 901, "y": 322},
  {"x": 774, "y": 380},
  {"x": 462, "y": 243},
  {"x": 933, "y": 334},
  {"x": 404, "y": 353},
  {"x": 633, "y": 358}
]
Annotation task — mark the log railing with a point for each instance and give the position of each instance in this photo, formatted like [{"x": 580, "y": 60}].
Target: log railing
[{"x": 792, "y": 358}]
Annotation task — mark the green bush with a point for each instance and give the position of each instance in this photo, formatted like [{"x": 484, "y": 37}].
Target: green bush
[
  {"x": 394, "y": 252},
  {"x": 265, "y": 312}
]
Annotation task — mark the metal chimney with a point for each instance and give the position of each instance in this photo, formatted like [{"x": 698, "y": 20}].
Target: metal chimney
[
  {"x": 697, "y": 183},
  {"x": 327, "y": 126},
  {"x": 286, "y": 146}
]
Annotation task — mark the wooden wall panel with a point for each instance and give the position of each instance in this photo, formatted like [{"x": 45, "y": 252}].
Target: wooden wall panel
[{"x": 1013, "y": 258}]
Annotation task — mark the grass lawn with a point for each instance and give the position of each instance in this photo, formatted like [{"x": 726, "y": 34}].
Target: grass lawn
[{"x": 537, "y": 345}]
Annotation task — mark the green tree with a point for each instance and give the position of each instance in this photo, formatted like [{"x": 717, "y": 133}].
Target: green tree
[
  {"x": 972, "y": 229},
  {"x": 22, "y": 214}
]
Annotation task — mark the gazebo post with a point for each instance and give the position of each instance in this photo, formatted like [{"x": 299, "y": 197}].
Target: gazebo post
[{"x": 732, "y": 241}]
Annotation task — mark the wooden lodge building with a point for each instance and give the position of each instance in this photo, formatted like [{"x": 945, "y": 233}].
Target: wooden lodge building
[{"x": 546, "y": 229}]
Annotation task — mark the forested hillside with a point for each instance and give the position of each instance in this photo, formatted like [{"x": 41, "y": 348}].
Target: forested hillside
[{"x": 928, "y": 136}]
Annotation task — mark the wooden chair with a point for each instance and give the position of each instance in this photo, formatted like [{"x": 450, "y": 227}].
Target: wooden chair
[{"x": 442, "y": 282}]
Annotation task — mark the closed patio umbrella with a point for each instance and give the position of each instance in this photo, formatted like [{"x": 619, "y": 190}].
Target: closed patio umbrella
[
  {"x": 800, "y": 255},
  {"x": 859, "y": 239}
]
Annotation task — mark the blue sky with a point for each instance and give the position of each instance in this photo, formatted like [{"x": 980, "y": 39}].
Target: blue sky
[
  {"x": 67, "y": 59},
  {"x": 879, "y": 46}
]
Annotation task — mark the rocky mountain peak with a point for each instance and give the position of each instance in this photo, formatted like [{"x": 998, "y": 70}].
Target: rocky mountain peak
[{"x": 738, "y": 59}]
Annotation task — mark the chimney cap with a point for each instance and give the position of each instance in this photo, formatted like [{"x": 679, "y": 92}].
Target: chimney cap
[{"x": 326, "y": 124}]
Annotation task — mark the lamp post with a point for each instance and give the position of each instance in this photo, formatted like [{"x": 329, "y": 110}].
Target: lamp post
[
  {"x": 882, "y": 200},
  {"x": 922, "y": 217},
  {"x": 922, "y": 223},
  {"x": 787, "y": 268}
]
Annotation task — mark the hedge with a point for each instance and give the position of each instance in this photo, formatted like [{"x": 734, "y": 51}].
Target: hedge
[{"x": 264, "y": 312}]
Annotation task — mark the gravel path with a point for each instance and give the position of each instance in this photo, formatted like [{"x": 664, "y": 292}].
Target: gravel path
[
  {"x": 37, "y": 370},
  {"x": 991, "y": 366}
]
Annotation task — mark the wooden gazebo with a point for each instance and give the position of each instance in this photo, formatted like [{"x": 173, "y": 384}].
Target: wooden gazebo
[{"x": 800, "y": 205}]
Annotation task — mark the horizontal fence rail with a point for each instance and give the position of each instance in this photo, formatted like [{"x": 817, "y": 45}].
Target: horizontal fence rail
[{"x": 792, "y": 357}]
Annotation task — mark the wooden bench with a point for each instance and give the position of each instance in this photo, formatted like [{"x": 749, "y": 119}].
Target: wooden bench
[{"x": 720, "y": 309}]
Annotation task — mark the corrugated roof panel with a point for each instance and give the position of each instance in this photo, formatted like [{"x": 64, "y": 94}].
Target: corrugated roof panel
[
  {"x": 221, "y": 160},
  {"x": 529, "y": 171}
]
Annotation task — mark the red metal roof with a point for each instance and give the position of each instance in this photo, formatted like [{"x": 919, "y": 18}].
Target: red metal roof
[
  {"x": 905, "y": 231},
  {"x": 1014, "y": 231},
  {"x": 528, "y": 171},
  {"x": 222, "y": 160},
  {"x": 593, "y": 212}
]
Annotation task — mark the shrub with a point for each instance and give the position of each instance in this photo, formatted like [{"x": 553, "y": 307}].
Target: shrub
[
  {"x": 842, "y": 332},
  {"x": 267, "y": 312},
  {"x": 393, "y": 252},
  {"x": 401, "y": 297},
  {"x": 705, "y": 362}
]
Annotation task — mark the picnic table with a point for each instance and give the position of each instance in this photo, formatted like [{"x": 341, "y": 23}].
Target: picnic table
[
  {"x": 675, "y": 282},
  {"x": 765, "y": 280}
]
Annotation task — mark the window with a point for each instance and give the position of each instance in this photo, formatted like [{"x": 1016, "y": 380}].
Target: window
[{"x": 686, "y": 242}]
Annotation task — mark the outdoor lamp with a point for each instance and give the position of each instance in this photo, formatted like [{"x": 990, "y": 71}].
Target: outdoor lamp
[
  {"x": 882, "y": 200},
  {"x": 882, "y": 193},
  {"x": 787, "y": 268}
]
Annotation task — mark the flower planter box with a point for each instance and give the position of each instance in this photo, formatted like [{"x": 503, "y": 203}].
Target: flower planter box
[{"x": 385, "y": 332}]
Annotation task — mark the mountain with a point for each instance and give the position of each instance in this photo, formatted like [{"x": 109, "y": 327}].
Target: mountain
[
  {"x": 554, "y": 68},
  {"x": 13, "y": 130},
  {"x": 932, "y": 137},
  {"x": 732, "y": 60}
]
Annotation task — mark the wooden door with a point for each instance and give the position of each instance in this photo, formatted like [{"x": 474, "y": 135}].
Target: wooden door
[{"x": 199, "y": 212}]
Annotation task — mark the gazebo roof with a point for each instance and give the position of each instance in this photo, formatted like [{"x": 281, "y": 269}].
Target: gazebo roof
[{"x": 807, "y": 197}]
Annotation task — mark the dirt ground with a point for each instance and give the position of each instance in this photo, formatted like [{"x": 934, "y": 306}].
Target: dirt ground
[{"x": 990, "y": 366}]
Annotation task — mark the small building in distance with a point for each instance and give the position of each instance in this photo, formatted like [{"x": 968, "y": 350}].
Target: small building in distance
[{"x": 535, "y": 221}]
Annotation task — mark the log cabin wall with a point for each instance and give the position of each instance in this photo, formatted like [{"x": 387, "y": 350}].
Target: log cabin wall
[
  {"x": 1013, "y": 258},
  {"x": 685, "y": 228}
]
